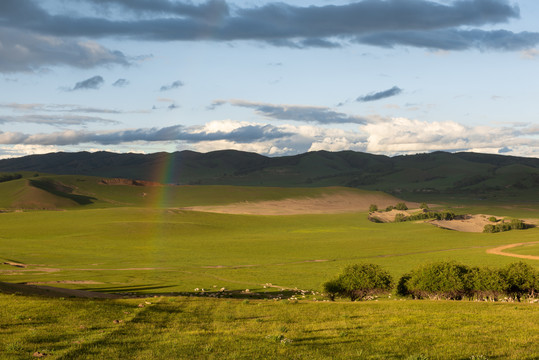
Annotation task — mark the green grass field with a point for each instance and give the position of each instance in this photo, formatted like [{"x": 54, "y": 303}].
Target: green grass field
[
  {"x": 195, "y": 328},
  {"x": 122, "y": 242}
]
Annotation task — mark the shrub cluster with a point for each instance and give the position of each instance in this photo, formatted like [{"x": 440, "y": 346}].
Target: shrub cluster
[
  {"x": 504, "y": 226},
  {"x": 438, "y": 215},
  {"x": 359, "y": 281},
  {"x": 9, "y": 177},
  {"x": 442, "y": 280},
  {"x": 453, "y": 281},
  {"x": 399, "y": 206}
]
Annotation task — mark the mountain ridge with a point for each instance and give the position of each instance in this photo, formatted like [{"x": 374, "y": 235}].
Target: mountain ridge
[{"x": 429, "y": 172}]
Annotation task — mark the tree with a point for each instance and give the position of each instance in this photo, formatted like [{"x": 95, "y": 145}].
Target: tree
[
  {"x": 373, "y": 208},
  {"x": 424, "y": 205},
  {"x": 359, "y": 281}
]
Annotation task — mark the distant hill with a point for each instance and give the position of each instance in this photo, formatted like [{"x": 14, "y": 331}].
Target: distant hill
[{"x": 433, "y": 173}]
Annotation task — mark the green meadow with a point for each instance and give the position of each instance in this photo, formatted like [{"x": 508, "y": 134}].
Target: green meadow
[
  {"x": 167, "y": 250},
  {"x": 203, "y": 328},
  {"x": 138, "y": 241}
]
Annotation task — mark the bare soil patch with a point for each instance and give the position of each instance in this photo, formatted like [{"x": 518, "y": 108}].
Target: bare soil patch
[
  {"x": 389, "y": 216},
  {"x": 500, "y": 251},
  {"x": 326, "y": 204},
  {"x": 470, "y": 223},
  {"x": 16, "y": 264}
]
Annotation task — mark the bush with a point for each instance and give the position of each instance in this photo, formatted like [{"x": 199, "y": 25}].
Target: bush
[
  {"x": 492, "y": 219},
  {"x": 442, "y": 280},
  {"x": 400, "y": 217},
  {"x": 332, "y": 288},
  {"x": 373, "y": 208},
  {"x": 486, "y": 283},
  {"x": 521, "y": 280},
  {"x": 449, "y": 280},
  {"x": 9, "y": 177},
  {"x": 359, "y": 281},
  {"x": 390, "y": 207},
  {"x": 514, "y": 224},
  {"x": 517, "y": 224},
  {"x": 424, "y": 205},
  {"x": 401, "y": 206}
]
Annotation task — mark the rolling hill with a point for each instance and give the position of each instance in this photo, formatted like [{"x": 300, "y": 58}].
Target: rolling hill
[{"x": 482, "y": 175}]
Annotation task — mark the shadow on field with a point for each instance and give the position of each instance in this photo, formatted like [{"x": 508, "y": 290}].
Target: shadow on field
[
  {"x": 60, "y": 190},
  {"x": 130, "y": 289}
]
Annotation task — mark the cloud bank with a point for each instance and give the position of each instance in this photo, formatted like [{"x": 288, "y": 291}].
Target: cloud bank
[
  {"x": 398, "y": 136},
  {"x": 35, "y": 36},
  {"x": 23, "y": 51}
]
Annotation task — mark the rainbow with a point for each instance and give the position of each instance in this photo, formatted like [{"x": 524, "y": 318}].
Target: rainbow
[{"x": 165, "y": 174}]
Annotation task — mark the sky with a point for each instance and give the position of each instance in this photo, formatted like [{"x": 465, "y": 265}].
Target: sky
[{"x": 385, "y": 77}]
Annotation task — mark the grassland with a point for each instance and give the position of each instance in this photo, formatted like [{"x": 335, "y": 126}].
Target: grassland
[
  {"x": 123, "y": 242},
  {"x": 196, "y": 328},
  {"x": 163, "y": 250}
]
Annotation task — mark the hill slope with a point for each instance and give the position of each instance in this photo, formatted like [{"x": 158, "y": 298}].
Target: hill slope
[{"x": 437, "y": 172}]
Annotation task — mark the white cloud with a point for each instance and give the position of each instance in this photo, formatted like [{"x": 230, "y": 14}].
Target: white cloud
[
  {"x": 19, "y": 150},
  {"x": 404, "y": 135}
]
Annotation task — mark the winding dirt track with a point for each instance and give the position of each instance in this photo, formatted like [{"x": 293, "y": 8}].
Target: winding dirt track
[{"x": 499, "y": 251}]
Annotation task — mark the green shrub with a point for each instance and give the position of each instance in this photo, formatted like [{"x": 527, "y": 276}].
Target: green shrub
[
  {"x": 521, "y": 280},
  {"x": 449, "y": 280},
  {"x": 9, "y": 177},
  {"x": 402, "y": 285},
  {"x": 424, "y": 205},
  {"x": 359, "y": 281},
  {"x": 401, "y": 206},
  {"x": 373, "y": 208},
  {"x": 390, "y": 207},
  {"x": 400, "y": 217},
  {"x": 486, "y": 283},
  {"x": 492, "y": 219},
  {"x": 504, "y": 226},
  {"x": 517, "y": 224},
  {"x": 333, "y": 288},
  {"x": 441, "y": 280}
]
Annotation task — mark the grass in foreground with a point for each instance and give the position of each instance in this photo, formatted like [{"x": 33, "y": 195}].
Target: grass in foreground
[{"x": 197, "y": 328}]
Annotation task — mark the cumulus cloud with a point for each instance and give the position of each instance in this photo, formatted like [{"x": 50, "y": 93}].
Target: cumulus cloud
[
  {"x": 375, "y": 22},
  {"x": 404, "y": 135},
  {"x": 176, "y": 84},
  {"x": 380, "y": 95},
  {"x": 310, "y": 114},
  {"x": 13, "y": 151},
  {"x": 93, "y": 83},
  {"x": 23, "y": 51}
]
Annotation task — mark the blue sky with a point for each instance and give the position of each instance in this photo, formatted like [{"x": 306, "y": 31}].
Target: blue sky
[{"x": 278, "y": 78}]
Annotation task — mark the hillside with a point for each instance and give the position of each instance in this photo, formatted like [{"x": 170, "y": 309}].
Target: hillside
[{"x": 482, "y": 175}]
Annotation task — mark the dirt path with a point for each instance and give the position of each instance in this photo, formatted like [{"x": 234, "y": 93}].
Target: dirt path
[{"x": 499, "y": 251}]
